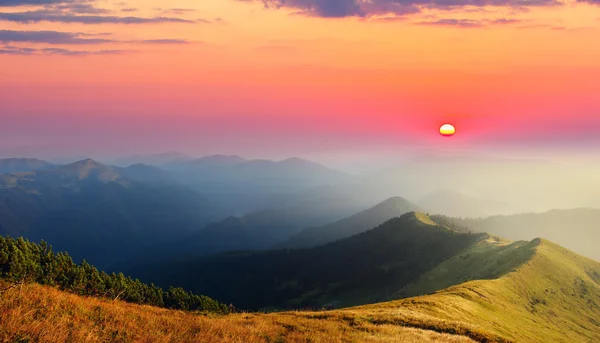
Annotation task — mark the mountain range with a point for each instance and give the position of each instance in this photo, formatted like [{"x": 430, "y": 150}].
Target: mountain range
[
  {"x": 350, "y": 226},
  {"x": 245, "y": 186},
  {"x": 13, "y": 165},
  {"x": 576, "y": 229},
  {"x": 99, "y": 212}
]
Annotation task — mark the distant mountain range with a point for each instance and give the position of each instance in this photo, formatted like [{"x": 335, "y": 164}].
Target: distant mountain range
[
  {"x": 456, "y": 204},
  {"x": 576, "y": 229},
  {"x": 99, "y": 212},
  {"x": 156, "y": 160},
  {"x": 14, "y": 165},
  {"x": 255, "y": 231},
  {"x": 245, "y": 186},
  {"x": 358, "y": 223}
]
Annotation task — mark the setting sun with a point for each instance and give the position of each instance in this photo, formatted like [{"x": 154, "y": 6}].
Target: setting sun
[{"x": 447, "y": 130}]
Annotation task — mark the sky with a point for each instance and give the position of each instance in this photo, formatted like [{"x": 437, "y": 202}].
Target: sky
[{"x": 311, "y": 78}]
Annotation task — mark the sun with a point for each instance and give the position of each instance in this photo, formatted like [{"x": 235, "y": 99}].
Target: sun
[{"x": 447, "y": 130}]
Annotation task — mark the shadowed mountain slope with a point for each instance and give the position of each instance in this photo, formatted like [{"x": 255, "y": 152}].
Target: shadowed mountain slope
[
  {"x": 97, "y": 212},
  {"x": 350, "y": 226},
  {"x": 361, "y": 269}
]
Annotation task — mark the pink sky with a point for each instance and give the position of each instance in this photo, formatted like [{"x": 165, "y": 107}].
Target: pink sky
[{"x": 232, "y": 76}]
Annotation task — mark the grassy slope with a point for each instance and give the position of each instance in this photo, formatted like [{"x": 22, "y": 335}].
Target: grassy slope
[
  {"x": 487, "y": 259},
  {"x": 43, "y": 314},
  {"x": 554, "y": 297}
]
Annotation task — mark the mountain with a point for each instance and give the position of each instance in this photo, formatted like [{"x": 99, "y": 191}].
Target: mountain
[
  {"x": 361, "y": 269},
  {"x": 350, "y": 226},
  {"x": 244, "y": 186},
  {"x": 86, "y": 170},
  {"x": 95, "y": 211},
  {"x": 255, "y": 231},
  {"x": 526, "y": 185},
  {"x": 456, "y": 204},
  {"x": 576, "y": 229},
  {"x": 527, "y": 292},
  {"x": 211, "y": 161},
  {"x": 15, "y": 165},
  {"x": 147, "y": 173},
  {"x": 154, "y": 160}
]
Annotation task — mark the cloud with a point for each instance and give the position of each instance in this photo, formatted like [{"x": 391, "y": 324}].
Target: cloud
[
  {"x": 71, "y": 38},
  {"x": 49, "y": 37},
  {"x": 176, "y": 11},
  {"x": 13, "y": 50},
  {"x": 67, "y": 17},
  {"x": 36, "y": 2},
  {"x": 165, "y": 41},
  {"x": 67, "y": 52},
  {"x": 79, "y": 8},
  {"x": 468, "y": 23},
  {"x": 362, "y": 8}
]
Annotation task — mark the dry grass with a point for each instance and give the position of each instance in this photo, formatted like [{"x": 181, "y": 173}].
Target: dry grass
[{"x": 36, "y": 313}]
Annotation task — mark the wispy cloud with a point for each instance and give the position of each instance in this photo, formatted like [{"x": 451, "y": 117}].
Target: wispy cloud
[
  {"x": 468, "y": 23},
  {"x": 38, "y": 2},
  {"x": 13, "y": 50},
  {"x": 165, "y": 41},
  {"x": 72, "y": 38},
  {"x": 361, "y": 8},
  {"x": 63, "y": 17},
  {"x": 49, "y": 37}
]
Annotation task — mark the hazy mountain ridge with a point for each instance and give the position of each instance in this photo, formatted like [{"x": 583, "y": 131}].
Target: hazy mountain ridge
[
  {"x": 360, "y": 222},
  {"x": 255, "y": 231},
  {"x": 15, "y": 165},
  {"x": 456, "y": 204},
  {"x": 96, "y": 211},
  {"x": 246, "y": 186},
  {"x": 576, "y": 229}
]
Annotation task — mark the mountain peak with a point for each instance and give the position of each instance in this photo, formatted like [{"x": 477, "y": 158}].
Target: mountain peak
[
  {"x": 88, "y": 162},
  {"x": 89, "y": 168},
  {"x": 394, "y": 201}
]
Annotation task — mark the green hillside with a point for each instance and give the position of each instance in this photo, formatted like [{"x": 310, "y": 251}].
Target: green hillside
[
  {"x": 362, "y": 269},
  {"x": 553, "y": 297},
  {"x": 487, "y": 259}
]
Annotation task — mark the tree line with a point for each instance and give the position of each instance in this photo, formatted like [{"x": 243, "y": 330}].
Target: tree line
[{"x": 25, "y": 261}]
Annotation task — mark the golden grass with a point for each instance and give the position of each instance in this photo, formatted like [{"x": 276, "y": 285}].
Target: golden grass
[{"x": 36, "y": 313}]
